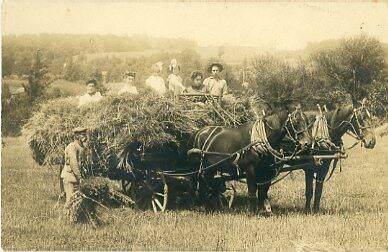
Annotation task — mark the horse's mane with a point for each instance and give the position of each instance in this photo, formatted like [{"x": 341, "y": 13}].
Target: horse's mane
[
  {"x": 341, "y": 113},
  {"x": 274, "y": 120}
]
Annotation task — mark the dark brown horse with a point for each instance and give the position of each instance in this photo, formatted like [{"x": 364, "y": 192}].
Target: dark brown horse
[
  {"x": 340, "y": 120},
  {"x": 221, "y": 141}
]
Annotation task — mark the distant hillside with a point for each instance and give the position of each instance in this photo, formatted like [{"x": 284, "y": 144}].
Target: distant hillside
[
  {"x": 233, "y": 55},
  {"x": 124, "y": 55}
]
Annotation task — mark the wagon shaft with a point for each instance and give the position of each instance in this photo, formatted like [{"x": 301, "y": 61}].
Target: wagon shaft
[{"x": 315, "y": 157}]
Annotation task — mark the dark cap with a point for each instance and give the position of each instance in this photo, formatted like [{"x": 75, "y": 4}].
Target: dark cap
[{"x": 219, "y": 65}]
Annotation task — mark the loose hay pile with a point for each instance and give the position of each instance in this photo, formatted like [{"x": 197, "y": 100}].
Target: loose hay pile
[{"x": 116, "y": 122}]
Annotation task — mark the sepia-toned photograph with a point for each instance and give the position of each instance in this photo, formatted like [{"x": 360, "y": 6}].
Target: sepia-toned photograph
[{"x": 194, "y": 125}]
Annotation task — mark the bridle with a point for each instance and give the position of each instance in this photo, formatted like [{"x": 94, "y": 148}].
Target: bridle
[
  {"x": 292, "y": 118},
  {"x": 356, "y": 130}
]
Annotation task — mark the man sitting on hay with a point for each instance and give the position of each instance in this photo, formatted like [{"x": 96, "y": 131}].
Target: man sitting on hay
[
  {"x": 215, "y": 85},
  {"x": 92, "y": 95},
  {"x": 128, "y": 87}
]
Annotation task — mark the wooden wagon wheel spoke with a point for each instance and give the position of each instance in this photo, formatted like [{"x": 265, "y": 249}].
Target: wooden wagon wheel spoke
[
  {"x": 151, "y": 193},
  {"x": 154, "y": 206},
  {"x": 159, "y": 204},
  {"x": 226, "y": 198}
]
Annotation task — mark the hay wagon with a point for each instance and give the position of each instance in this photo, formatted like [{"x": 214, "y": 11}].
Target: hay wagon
[{"x": 153, "y": 175}]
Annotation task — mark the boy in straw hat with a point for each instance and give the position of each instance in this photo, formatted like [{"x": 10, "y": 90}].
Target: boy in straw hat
[
  {"x": 75, "y": 159},
  {"x": 215, "y": 85}
]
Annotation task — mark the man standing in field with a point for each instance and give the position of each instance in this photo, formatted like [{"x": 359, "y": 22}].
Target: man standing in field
[
  {"x": 215, "y": 85},
  {"x": 91, "y": 94},
  {"x": 155, "y": 81},
  {"x": 75, "y": 159}
]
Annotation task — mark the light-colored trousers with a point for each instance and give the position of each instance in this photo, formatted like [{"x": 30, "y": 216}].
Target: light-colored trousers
[{"x": 70, "y": 188}]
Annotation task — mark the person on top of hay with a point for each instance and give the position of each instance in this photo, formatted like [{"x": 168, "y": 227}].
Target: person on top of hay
[
  {"x": 197, "y": 83},
  {"x": 75, "y": 159},
  {"x": 155, "y": 81},
  {"x": 174, "y": 81},
  {"x": 128, "y": 79},
  {"x": 197, "y": 88},
  {"x": 215, "y": 85},
  {"x": 91, "y": 94}
]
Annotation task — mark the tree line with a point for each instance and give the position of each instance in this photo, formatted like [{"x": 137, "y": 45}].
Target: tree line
[{"x": 347, "y": 72}]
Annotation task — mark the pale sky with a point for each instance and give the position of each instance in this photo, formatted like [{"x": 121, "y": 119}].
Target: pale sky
[{"x": 271, "y": 25}]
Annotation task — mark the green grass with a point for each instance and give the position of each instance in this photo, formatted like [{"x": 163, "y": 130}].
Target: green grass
[
  {"x": 67, "y": 88},
  {"x": 354, "y": 213}
]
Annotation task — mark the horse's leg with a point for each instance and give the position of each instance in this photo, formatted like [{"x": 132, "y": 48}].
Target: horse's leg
[
  {"x": 264, "y": 204},
  {"x": 252, "y": 188},
  {"x": 321, "y": 175},
  {"x": 309, "y": 181},
  {"x": 61, "y": 186}
]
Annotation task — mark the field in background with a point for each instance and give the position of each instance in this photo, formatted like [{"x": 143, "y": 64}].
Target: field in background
[{"x": 354, "y": 213}]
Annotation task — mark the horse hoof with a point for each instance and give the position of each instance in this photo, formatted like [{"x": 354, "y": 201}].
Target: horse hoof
[
  {"x": 315, "y": 211},
  {"x": 264, "y": 213},
  {"x": 308, "y": 210}
]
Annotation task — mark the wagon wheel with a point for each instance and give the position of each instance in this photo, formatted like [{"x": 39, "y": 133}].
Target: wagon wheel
[
  {"x": 225, "y": 195},
  {"x": 150, "y": 193}
]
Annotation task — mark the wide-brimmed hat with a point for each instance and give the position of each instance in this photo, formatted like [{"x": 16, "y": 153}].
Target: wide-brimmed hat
[
  {"x": 218, "y": 64},
  {"x": 79, "y": 130},
  {"x": 128, "y": 73}
]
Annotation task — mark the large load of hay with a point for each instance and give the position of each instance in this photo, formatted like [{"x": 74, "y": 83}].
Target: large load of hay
[{"x": 147, "y": 119}]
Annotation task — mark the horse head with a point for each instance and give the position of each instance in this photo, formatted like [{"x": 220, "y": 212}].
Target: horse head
[
  {"x": 357, "y": 121},
  {"x": 297, "y": 128},
  {"x": 362, "y": 125}
]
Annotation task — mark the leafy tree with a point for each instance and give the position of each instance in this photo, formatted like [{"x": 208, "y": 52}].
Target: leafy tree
[
  {"x": 353, "y": 66},
  {"x": 37, "y": 80},
  {"x": 274, "y": 80}
]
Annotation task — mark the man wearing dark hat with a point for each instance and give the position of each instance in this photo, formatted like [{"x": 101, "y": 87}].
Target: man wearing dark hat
[
  {"x": 215, "y": 85},
  {"x": 128, "y": 87},
  {"x": 91, "y": 94},
  {"x": 75, "y": 159}
]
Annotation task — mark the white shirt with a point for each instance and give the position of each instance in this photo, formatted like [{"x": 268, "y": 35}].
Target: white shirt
[
  {"x": 87, "y": 98},
  {"x": 175, "y": 83},
  {"x": 156, "y": 83},
  {"x": 128, "y": 89},
  {"x": 216, "y": 87}
]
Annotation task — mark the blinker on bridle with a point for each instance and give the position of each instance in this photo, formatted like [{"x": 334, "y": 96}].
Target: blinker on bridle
[{"x": 291, "y": 118}]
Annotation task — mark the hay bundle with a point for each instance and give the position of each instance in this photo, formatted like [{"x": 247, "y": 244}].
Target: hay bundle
[
  {"x": 94, "y": 192},
  {"x": 117, "y": 122}
]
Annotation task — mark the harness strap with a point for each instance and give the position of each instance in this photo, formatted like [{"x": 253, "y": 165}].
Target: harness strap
[{"x": 263, "y": 146}]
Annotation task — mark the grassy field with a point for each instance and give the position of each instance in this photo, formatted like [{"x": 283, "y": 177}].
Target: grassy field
[{"x": 354, "y": 214}]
